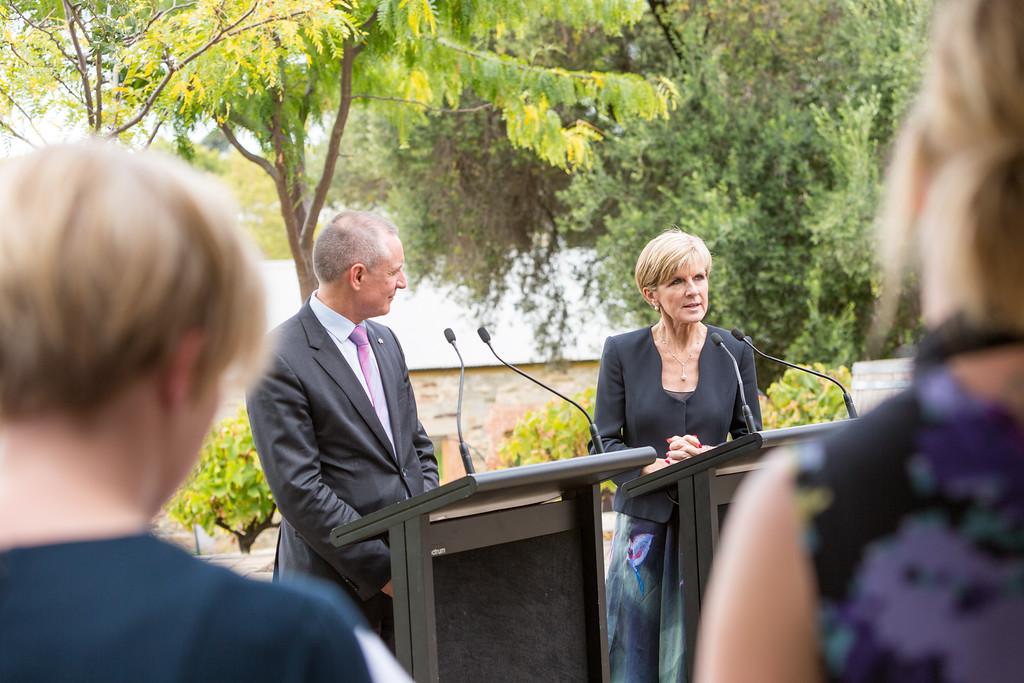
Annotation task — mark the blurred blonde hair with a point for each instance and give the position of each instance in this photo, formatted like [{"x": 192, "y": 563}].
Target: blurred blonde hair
[
  {"x": 667, "y": 253},
  {"x": 107, "y": 258},
  {"x": 955, "y": 190}
]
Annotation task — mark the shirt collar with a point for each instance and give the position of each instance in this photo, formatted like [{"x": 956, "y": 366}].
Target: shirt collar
[{"x": 334, "y": 322}]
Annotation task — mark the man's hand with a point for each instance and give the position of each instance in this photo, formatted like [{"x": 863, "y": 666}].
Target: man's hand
[{"x": 388, "y": 590}]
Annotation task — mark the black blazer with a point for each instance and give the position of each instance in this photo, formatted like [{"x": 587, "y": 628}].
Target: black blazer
[
  {"x": 326, "y": 455},
  {"x": 633, "y": 410}
]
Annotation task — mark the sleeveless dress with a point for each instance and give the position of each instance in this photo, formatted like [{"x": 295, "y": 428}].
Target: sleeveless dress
[{"x": 914, "y": 521}]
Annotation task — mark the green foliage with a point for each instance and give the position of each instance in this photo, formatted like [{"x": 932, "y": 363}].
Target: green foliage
[
  {"x": 785, "y": 112},
  {"x": 799, "y": 398},
  {"x": 554, "y": 431},
  {"x": 227, "y": 488}
]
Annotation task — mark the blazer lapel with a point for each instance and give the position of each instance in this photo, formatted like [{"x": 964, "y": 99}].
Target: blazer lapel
[
  {"x": 328, "y": 357},
  {"x": 390, "y": 377}
]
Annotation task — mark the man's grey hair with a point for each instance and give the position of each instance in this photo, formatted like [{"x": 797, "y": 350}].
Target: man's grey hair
[{"x": 351, "y": 237}]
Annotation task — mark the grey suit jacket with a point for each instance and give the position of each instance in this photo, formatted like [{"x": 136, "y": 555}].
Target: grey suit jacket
[{"x": 326, "y": 455}]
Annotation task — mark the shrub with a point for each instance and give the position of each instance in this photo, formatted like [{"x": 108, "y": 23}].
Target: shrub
[
  {"x": 227, "y": 488},
  {"x": 798, "y": 398},
  {"x": 554, "y": 431}
]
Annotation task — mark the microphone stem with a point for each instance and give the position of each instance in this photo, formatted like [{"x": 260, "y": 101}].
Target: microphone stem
[
  {"x": 598, "y": 445},
  {"x": 847, "y": 399},
  {"x": 467, "y": 461}
]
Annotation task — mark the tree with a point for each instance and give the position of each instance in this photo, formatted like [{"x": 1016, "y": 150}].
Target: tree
[
  {"x": 227, "y": 489},
  {"x": 774, "y": 156},
  {"x": 407, "y": 58},
  {"x": 121, "y": 68},
  {"x": 283, "y": 71}
]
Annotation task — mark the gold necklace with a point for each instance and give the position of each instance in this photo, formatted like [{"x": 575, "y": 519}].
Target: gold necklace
[{"x": 689, "y": 356}]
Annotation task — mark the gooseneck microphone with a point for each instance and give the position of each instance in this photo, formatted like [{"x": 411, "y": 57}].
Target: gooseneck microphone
[
  {"x": 847, "y": 399},
  {"x": 748, "y": 417},
  {"x": 485, "y": 337},
  {"x": 467, "y": 462}
]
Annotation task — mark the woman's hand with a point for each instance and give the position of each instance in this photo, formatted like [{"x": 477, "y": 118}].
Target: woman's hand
[
  {"x": 658, "y": 464},
  {"x": 684, "y": 447}
]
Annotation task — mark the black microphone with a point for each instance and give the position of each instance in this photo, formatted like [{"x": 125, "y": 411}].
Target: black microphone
[
  {"x": 748, "y": 417},
  {"x": 467, "y": 462},
  {"x": 847, "y": 399},
  {"x": 485, "y": 337}
]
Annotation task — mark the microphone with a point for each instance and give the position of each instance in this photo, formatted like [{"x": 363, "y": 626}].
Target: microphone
[
  {"x": 467, "y": 462},
  {"x": 847, "y": 399},
  {"x": 748, "y": 417},
  {"x": 485, "y": 337}
]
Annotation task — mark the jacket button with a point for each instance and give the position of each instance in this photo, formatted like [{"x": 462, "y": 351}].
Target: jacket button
[{"x": 404, "y": 473}]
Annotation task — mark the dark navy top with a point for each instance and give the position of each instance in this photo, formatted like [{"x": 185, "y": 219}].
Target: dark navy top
[
  {"x": 137, "y": 609},
  {"x": 633, "y": 410},
  {"x": 915, "y": 526}
]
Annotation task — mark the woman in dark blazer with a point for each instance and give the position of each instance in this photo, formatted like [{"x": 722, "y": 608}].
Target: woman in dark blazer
[{"x": 665, "y": 386}]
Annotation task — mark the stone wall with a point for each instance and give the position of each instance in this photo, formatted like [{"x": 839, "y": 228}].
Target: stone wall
[{"x": 494, "y": 398}]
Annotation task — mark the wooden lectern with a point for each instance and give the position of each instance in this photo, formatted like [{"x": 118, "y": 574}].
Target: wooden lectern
[
  {"x": 499, "y": 576},
  {"x": 704, "y": 486}
]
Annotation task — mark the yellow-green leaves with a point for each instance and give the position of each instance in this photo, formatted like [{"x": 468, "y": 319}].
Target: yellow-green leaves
[{"x": 227, "y": 489}]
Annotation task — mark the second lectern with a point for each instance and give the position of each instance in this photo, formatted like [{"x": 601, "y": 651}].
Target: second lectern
[
  {"x": 704, "y": 487},
  {"x": 499, "y": 576}
]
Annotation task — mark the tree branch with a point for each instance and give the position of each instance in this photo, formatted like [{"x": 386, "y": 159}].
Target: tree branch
[
  {"x": 99, "y": 92},
  {"x": 71, "y": 16},
  {"x": 658, "y": 10},
  {"x": 440, "y": 110},
  {"x": 135, "y": 37},
  {"x": 172, "y": 69},
  {"x": 351, "y": 51},
  {"x": 39, "y": 27},
  {"x": 24, "y": 113},
  {"x": 152, "y": 136},
  {"x": 254, "y": 158},
  {"x": 53, "y": 73},
  {"x": 4, "y": 124}
]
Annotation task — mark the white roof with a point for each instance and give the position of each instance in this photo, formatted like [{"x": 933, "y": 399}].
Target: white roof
[{"x": 420, "y": 314}]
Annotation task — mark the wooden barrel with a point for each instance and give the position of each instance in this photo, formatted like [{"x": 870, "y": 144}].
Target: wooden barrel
[{"x": 875, "y": 380}]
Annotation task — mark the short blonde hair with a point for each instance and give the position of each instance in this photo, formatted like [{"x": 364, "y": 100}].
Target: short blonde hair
[
  {"x": 667, "y": 253},
  {"x": 107, "y": 258},
  {"x": 964, "y": 143}
]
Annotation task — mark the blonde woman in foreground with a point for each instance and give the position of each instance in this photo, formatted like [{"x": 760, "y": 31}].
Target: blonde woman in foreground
[
  {"x": 895, "y": 551},
  {"x": 126, "y": 299}
]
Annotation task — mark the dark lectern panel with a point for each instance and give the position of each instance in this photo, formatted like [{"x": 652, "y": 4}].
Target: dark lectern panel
[{"x": 512, "y": 612}]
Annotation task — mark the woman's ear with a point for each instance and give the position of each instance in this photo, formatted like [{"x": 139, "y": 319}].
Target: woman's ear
[
  {"x": 649, "y": 297},
  {"x": 178, "y": 381}
]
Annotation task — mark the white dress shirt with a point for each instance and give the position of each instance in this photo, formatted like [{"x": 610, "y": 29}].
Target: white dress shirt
[{"x": 339, "y": 327}]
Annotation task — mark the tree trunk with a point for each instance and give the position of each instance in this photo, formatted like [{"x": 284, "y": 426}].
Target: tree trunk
[{"x": 247, "y": 537}]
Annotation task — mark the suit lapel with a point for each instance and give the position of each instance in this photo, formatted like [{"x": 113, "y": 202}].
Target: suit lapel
[
  {"x": 390, "y": 376},
  {"x": 328, "y": 357}
]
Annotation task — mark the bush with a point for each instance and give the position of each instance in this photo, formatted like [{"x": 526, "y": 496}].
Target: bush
[
  {"x": 227, "y": 488},
  {"x": 799, "y": 398},
  {"x": 554, "y": 431}
]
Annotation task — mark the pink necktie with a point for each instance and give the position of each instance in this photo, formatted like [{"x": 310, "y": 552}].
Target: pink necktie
[{"x": 362, "y": 343}]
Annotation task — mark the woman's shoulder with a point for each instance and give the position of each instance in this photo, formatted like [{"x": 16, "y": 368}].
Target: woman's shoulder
[
  {"x": 731, "y": 342},
  {"x": 630, "y": 339}
]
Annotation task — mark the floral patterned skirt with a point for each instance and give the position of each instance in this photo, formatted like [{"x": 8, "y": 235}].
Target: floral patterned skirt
[{"x": 645, "y": 602}]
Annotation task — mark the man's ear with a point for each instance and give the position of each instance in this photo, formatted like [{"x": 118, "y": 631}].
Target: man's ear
[
  {"x": 178, "y": 380},
  {"x": 355, "y": 275}
]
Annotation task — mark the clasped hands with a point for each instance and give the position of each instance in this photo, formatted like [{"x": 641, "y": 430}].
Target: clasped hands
[{"x": 679, "y": 448}]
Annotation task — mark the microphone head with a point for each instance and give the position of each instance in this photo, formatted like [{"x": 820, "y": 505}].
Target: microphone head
[
  {"x": 717, "y": 339},
  {"x": 738, "y": 333},
  {"x": 485, "y": 336},
  {"x": 449, "y": 335}
]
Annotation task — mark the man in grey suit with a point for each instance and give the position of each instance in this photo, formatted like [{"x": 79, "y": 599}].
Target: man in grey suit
[{"x": 335, "y": 422}]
